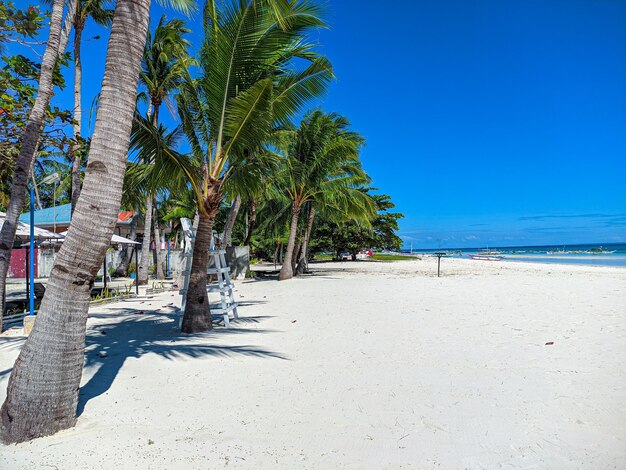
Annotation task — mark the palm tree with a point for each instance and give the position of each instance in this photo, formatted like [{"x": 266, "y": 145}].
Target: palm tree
[
  {"x": 157, "y": 168},
  {"x": 42, "y": 393},
  {"x": 165, "y": 63},
  {"x": 102, "y": 14},
  {"x": 246, "y": 181},
  {"x": 247, "y": 85},
  {"x": 30, "y": 142},
  {"x": 339, "y": 204},
  {"x": 322, "y": 164}
]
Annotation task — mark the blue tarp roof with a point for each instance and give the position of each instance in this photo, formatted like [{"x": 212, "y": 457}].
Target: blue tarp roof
[{"x": 45, "y": 216}]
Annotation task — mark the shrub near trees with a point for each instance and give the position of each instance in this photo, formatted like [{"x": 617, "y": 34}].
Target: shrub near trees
[{"x": 353, "y": 237}]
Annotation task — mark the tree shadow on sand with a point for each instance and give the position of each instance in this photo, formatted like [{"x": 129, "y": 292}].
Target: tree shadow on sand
[{"x": 136, "y": 335}]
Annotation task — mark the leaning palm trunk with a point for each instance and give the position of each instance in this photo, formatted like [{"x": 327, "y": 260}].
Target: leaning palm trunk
[
  {"x": 286, "y": 271},
  {"x": 303, "y": 263},
  {"x": 230, "y": 222},
  {"x": 75, "y": 148},
  {"x": 42, "y": 393},
  {"x": 142, "y": 270},
  {"x": 26, "y": 158},
  {"x": 296, "y": 252}
]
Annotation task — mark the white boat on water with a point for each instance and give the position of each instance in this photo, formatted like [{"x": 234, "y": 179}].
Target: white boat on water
[
  {"x": 488, "y": 255},
  {"x": 593, "y": 251},
  {"x": 483, "y": 257}
]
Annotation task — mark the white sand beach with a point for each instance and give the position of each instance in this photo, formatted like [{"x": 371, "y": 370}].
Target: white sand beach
[{"x": 361, "y": 365}]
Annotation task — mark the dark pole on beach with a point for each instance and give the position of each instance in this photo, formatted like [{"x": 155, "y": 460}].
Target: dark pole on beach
[
  {"x": 439, "y": 255},
  {"x": 104, "y": 273}
]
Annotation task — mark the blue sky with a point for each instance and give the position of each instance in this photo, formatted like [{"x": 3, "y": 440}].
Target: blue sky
[{"x": 488, "y": 122}]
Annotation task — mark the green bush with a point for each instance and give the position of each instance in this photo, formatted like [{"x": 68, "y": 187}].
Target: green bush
[{"x": 132, "y": 268}]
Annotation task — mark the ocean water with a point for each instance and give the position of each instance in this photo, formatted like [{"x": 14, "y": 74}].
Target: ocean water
[{"x": 561, "y": 254}]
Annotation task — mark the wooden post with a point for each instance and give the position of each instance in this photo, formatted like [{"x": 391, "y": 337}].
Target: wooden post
[{"x": 439, "y": 254}]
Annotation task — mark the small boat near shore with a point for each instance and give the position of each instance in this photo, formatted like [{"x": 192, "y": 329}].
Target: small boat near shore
[
  {"x": 482, "y": 257},
  {"x": 488, "y": 255}
]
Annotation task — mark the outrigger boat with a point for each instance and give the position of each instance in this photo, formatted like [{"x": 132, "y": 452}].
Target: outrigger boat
[{"x": 488, "y": 255}]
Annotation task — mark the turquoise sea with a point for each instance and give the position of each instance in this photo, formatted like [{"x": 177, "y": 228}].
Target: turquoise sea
[{"x": 597, "y": 254}]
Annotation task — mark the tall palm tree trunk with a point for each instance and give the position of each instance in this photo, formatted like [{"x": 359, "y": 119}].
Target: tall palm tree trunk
[
  {"x": 230, "y": 222},
  {"x": 303, "y": 263},
  {"x": 296, "y": 252},
  {"x": 286, "y": 271},
  {"x": 26, "y": 158},
  {"x": 157, "y": 244},
  {"x": 78, "y": 114},
  {"x": 251, "y": 224},
  {"x": 142, "y": 270},
  {"x": 42, "y": 393},
  {"x": 197, "y": 316},
  {"x": 153, "y": 215},
  {"x": 130, "y": 248}
]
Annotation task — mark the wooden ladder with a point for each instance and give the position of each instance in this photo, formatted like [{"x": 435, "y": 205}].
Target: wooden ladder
[
  {"x": 224, "y": 286},
  {"x": 220, "y": 269}
]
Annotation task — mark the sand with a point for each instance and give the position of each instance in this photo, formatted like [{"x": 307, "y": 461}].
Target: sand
[{"x": 361, "y": 365}]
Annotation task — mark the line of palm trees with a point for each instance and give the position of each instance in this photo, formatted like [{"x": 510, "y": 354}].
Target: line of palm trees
[{"x": 256, "y": 69}]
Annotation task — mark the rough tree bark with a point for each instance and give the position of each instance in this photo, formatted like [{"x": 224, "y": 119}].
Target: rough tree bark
[
  {"x": 130, "y": 248},
  {"x": 276, "y": 251},
  {"x": 251, "y": 224},
  {"x": 230, "y": 222},
  {"x": 26, "y": 157},
  {"x": 286, "y": 271},
  {"x": 197, "y": 316},
  {"x": 78, "y": 113},
  {"x": 42, "y": 393},
  {"x": 157, "y": 243},
  {"x": 296, "y": 252},
  {"x": 144, "y": 263},
  {"x": 303, "y": 263}
]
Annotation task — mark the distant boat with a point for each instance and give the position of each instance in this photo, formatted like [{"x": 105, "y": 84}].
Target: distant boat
[
  {"x": 482, "y": 256},
  {"x": 600, "y": 251},
  {"x": 488, "y": 255}
]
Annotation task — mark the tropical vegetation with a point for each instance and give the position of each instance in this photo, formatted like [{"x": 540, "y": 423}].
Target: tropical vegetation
[{"x": 245, "y": 158}]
